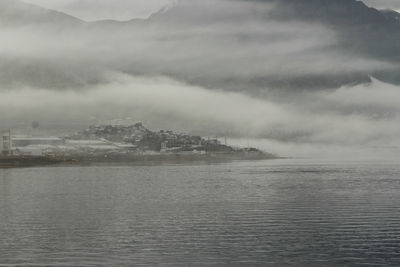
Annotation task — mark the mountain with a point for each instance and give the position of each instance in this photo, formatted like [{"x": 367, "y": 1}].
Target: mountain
[
  {"x": 392, "y": 15},
  {"x": 239, "y": 45},
  {"x": 360, "y": 30},
  {"x": 16, "y": 13}
]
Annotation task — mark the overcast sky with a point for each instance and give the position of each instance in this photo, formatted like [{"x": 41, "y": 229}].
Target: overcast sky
[
  {"x": 103, "y": 9},
  {"x": 128, "y": 9},
  {"x": 384, "y": 4}
]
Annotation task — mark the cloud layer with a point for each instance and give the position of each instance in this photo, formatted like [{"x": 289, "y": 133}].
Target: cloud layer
[
  {"x": 197, "y": 42},
  {"x": 336, "y": 119},
  {"x": 128, "y": 9},
  {"x": 214, "y": 67}
]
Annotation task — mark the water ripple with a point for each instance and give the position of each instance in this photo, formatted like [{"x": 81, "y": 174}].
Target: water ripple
[{"x": 237, "y": 214}]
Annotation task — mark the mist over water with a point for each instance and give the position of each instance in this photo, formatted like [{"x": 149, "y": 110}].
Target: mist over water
[{"x": 334, "y": 123}]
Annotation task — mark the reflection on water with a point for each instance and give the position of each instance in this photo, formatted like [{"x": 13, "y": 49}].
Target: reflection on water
[{"x": 236, "y": 214}]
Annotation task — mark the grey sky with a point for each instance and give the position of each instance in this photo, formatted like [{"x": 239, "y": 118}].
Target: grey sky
[
  {"x": 103, "y": 9},
  {"x": 384, "y": 4}
]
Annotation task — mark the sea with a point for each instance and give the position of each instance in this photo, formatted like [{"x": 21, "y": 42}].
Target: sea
[{"x": 286, "y": 212}]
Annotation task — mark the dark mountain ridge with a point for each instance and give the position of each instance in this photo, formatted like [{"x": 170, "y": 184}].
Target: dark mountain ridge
[
  {"x": 360, "y": 30},
  {"x": 361, "y": 27}
]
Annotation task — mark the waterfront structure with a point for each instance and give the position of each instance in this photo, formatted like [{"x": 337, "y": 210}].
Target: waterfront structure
[
  {"x": 6, "y": 145},
  {"x": 92, "y": 145},
  {"x": 23, "y": 141},
  {"x": 112, "y": 140}
]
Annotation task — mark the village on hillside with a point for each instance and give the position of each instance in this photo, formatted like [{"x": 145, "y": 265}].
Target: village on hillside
[{"x": 116, "y": 140}]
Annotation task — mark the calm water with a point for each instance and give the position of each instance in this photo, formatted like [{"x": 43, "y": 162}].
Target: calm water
[{"x": 269, "y": 213}]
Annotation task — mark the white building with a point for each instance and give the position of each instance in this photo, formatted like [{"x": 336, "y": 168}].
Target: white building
[
  {"x": 92, "y": 145},
  {"x": 23, "y": 141},
  {"x": 6, "y": 145}
]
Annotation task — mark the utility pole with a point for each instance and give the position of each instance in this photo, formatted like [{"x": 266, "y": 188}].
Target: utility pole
[
  {"x": 9, "y": 142},
  {"x": 1, "y": 142}
]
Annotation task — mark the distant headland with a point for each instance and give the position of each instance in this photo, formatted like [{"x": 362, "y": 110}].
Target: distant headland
[{"x": 128, "y": 144}]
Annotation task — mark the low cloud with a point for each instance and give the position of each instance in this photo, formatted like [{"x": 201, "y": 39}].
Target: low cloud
[
  {"x": 210, "y": 74},
  {"x": 239, "y": 50},
  {"x": 164, "y": 103}
]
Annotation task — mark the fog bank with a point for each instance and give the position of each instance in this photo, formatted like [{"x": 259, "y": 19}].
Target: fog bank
[{"x": 337, "y": 120}]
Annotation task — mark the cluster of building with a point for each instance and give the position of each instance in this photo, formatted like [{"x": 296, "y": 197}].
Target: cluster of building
[
  {"x": 141, "y": 139},
  {"x": 108, "y": 139}
]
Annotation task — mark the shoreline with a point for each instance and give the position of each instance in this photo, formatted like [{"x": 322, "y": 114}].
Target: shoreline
[{"x": 9, "y": 162}]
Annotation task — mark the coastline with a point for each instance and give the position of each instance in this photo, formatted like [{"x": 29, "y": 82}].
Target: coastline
[{"x": 131, "y": 159}]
